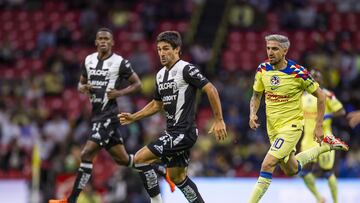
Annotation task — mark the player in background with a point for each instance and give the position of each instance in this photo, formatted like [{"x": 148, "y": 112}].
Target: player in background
[
  {"x": 102, "y": 73},
  {"x": 176, "y": 86},
  {"x": 333, "y": 108},
  {"x": 354, "y": 118},
  {"x": 283, "y": 81}
]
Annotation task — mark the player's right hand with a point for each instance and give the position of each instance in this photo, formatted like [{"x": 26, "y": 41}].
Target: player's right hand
[
  {"x": 253, "y": 122},
  {"x": 125, "y": 118},
  {"x": 354, "y": 118},
  {"x": 85, "y": 88}
]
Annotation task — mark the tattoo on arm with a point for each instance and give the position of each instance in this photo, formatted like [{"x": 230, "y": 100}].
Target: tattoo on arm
[{"x": 255, "y": 102}]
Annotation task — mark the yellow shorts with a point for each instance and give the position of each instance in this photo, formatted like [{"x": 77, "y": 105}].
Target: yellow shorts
[{"x": 284, "y": 143}]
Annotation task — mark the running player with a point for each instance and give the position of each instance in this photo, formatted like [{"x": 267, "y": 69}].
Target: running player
[
  {"x": 333, "y": 108},
  {"x": 101, "y": 75},
  {"x": 283, "y": 82},
  {"x": 176, "y": 85}
]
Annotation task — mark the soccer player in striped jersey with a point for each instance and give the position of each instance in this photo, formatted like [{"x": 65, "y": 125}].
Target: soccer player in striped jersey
[
  {"x": 102, "y": 73},
  {"x": 176, "y": 85},
  {"x": 333, "y": 108},
  {"x": 283, "y": 81}
]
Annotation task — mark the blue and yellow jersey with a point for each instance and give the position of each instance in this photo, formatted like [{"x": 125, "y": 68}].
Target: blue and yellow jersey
[
  {"x": 310, "y": 112},
  {"x": 283, "y": 90}
]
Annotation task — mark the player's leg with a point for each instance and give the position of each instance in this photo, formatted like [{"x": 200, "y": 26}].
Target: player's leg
[
  {"x": 326, "y": 163},
  {"x": 179, "y": 176},
  {"x": 143, "y": 161},
  {"x": 309, "y": 180},
  {"x": 264, "y": 180},
  {"x": 120, "y": 156},
  {"x": 84, "y": 173},
  {"x": 328, "y": 143}
]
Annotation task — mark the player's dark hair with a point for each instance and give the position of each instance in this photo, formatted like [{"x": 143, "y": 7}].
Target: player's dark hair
[
  {"x": 104, "y": 29},
  {"x": 171, "y": 37}
]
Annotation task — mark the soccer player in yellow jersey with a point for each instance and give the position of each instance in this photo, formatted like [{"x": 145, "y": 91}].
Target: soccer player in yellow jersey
[
  {"x": 283, "y": 82},
  {"x": 333, "y": 108}
]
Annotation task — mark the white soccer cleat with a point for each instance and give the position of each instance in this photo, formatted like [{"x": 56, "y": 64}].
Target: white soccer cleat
[{"x": 336, "y": 143}]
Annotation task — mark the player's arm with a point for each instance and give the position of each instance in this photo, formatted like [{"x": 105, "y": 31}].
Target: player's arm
[
  {"x": 319, "y": 94},
  {"x": 338, "y": 113},
  {"x": 83, "y": 85},
  {"x": 254, "y": 107},
  {"x": 219, "y": 127},
  {"x": 354, "y": 118},
  {"x": 151, "y": 108},
  {"x": 135, "y": 85}
]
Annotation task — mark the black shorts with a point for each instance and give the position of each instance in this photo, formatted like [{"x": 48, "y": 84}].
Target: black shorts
[
  {"x": 174, "y": 148},
  {"x": 106, "y": 133}
]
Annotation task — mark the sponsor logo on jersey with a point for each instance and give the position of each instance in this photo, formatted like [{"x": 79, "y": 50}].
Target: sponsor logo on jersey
[
  {"x": 169, "y": 98},
  {"x": 96, "y": 83},
  {"x": 169, "y": 85},
  {"x": 98, "y": 72}
]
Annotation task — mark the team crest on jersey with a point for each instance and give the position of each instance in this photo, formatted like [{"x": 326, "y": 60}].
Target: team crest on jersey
[
  {"x": 173, "y": 73},
  {"x": 275, "y": 80},
  {"x": 109, "y": 63}
]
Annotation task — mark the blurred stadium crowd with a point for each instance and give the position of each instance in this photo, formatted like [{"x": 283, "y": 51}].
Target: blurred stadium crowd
[{"x": 43, "y": 42}]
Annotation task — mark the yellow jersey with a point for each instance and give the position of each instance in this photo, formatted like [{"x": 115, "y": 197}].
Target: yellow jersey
[
  {"x": 332, "y": 104},
  {"x": 283, "y": 90}
]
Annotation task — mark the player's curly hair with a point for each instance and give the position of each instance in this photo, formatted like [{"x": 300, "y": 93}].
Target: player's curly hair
[{"x": 171, "y": 37}]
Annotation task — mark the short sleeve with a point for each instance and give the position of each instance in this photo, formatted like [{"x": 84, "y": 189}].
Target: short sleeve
[
  {"x": 193, "y": 76},
  {"x": 83, "y": 70},
  {"x": 332, "y": 102},
  {"x": 125, "y": 69},
  {"x": 308, "y": 83},
  {"x": 258, "y": 84}
]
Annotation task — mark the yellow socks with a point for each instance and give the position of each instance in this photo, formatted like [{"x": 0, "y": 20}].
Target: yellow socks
[
  {"x": 261, "y": 186},
  {"x": 333, "y": 187},
  {"x": 310, "y": 154},
  {"x": 309, "y": 181}
]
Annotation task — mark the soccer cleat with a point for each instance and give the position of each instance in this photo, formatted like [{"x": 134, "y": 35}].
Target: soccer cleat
[
  {"x": 336, "y": 143},
  {"x": 58, "y": 201},
  {"x": 169, "y": 181}
]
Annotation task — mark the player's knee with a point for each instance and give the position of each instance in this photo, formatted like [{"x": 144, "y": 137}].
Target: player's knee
[
  {"x": 139, "y": 159},
  {"x": 122, "y": 160},
  {"x": 267, "y": 166},
  {"x": 178, "y": 177},
  {"x": 291, "y": 171}
]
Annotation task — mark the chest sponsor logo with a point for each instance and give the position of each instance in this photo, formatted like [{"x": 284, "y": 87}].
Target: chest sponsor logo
[
  {"x": 169, "y": 85},
  {"x": 98, "y": 72}
]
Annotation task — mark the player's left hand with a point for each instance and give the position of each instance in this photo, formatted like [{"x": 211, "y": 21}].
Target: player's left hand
[
  {"x": 318, "y": 134},
  {"x": 219, "y": 129},
  {"x": 112, "y": 93}
]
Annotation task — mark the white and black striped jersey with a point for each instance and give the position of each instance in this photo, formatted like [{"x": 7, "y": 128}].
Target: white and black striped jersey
[
  {"x": 176, "y": 88},
  {"x": 103, "y": 75}
]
